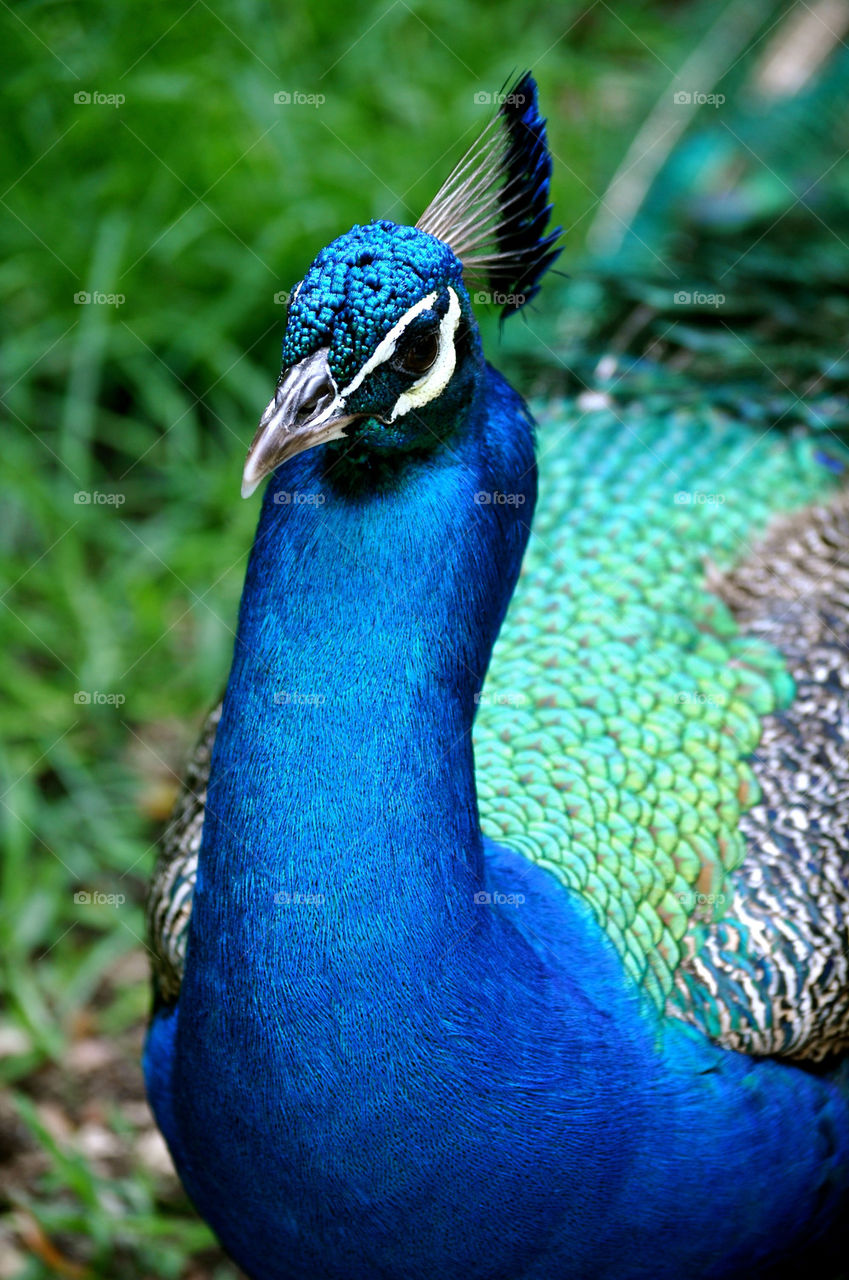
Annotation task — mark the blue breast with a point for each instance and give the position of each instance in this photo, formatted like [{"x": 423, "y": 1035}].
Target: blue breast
[{"x": 369, "y": 1071}]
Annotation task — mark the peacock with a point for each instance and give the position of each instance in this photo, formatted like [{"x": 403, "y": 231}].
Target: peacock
[{"x": 500, "y": 932}]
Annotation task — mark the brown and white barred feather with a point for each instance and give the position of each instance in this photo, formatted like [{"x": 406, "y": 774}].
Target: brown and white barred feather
[
  {"x": 776, "y": 969},
  {"x": 169, "y": 901}
]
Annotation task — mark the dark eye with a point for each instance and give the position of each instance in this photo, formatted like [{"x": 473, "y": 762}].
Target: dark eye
[{"x": 418, "y": 353}]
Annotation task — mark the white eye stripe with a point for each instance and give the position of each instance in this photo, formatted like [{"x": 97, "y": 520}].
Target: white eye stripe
[
  {"x": 432, "y": 383},
  {"x": 386, "y": 347}
]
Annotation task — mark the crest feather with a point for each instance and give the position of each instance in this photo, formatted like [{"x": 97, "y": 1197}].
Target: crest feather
[{"x": 494, "y": 208}]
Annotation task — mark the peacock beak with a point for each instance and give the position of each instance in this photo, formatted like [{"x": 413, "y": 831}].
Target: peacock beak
[{"x": 306, "y": 411}]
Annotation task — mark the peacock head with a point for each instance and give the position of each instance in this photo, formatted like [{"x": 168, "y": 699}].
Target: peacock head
[{"x": 381, "y": 346}]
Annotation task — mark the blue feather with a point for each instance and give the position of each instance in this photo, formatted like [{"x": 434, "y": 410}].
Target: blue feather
[{"x": 526, "y": 207}]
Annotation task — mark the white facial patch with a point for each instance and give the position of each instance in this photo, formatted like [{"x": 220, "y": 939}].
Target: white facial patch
[
  {"x": 385, "y": 349},
  {"x": 436, "y": 379},
  {"x": 433, "y": 383}
]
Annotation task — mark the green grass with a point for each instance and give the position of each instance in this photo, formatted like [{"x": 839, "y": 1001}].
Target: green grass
[{"x": 197, "y": 199}]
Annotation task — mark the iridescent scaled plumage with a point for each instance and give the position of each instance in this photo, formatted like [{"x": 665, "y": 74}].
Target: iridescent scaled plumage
[
  {"x": 618, "y": 733},
  {"x": 615, "y": 738}
]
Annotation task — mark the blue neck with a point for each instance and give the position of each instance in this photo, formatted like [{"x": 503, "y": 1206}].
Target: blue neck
[
  {"x": 371, "y": 1074},
  {"x": 369, "y": 613}
]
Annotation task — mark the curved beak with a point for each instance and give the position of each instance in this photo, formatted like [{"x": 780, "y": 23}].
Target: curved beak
[{"x": 307, "y": 410}]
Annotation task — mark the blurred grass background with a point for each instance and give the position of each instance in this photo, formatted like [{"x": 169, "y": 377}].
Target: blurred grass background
[{"x": 195, "y": 200}]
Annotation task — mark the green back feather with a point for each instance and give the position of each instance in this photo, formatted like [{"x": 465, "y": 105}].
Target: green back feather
[{"x": 623, "y": 703}]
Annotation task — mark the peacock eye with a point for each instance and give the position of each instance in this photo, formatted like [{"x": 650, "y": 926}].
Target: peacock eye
[{"x": 418, "y": 353}]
